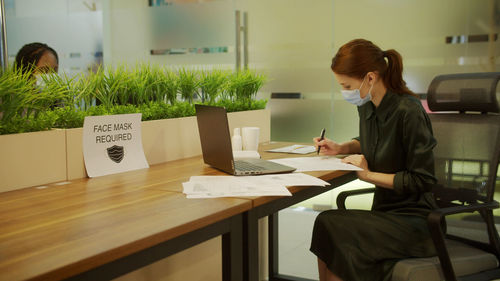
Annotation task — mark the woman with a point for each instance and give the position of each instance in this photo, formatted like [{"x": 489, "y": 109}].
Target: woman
[
  {"x": 394, "y": 148},
  {"x": 38, "y": 57}
]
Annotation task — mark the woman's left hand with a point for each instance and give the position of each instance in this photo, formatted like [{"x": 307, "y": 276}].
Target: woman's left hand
[{"x": 358, "y": 160}]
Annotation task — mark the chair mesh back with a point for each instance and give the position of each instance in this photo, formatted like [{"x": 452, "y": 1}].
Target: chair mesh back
[
  {"x": 468, "y": 144},
  {"x": 467, "y": 152},
  {"x": 465, "y": 92}
]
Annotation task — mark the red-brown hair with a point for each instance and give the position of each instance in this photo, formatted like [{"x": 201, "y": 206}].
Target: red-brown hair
[{"x": 359, "y": 56}]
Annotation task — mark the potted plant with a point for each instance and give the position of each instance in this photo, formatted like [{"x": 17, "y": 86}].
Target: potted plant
[{"x": 165, "y": 98}]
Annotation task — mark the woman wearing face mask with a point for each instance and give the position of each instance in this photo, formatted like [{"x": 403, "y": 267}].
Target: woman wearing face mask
[
  {"x": 38, "y": 58},
  {"x": 394, "y": 148}
]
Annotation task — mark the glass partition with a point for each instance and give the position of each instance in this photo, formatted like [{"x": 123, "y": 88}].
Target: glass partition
[
  {"x": 174, "y": 33},
  {"x": 72, "y": 28}
]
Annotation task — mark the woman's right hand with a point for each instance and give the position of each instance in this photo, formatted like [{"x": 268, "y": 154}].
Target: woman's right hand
[{"x": 328, "y": 147}]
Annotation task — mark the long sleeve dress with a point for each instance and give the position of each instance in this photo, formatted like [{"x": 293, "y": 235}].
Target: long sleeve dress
[{"x": 395, "y": 138}]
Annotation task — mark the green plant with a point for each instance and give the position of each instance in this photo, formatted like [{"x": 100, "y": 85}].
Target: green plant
[
  {"x": 142, "y": 81},
  {"x": 15, "y": 88},
  {"x": 188, "y": 84},
  {"x": 244, "y": 85},
  {"x": 113, "y": 87},
  {"x": 69, "y": 117},
  {"x": 212, "y": 83},
  {"x": 171, "y": 85},
  {"x": 21, "y": 124},
  {"x": 53, "y": 90},
  {"x": 63, "y": 102},
  {"x": 85, "y": 88}
]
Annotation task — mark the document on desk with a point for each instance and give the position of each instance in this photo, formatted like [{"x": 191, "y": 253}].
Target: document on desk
[
  {"x": 230, "y": 186},
  {"x": 319, "y": 163},
  {"x": 296, "y": 149}
]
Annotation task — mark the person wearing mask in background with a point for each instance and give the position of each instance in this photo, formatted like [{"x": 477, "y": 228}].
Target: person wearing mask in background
[
  {"x": 394, "y": 149},
  {"x": 38, "y": 57}
]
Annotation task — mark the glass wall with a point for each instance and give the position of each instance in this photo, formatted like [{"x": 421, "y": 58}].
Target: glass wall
[
  {"x": 173, "y": 33},
  {"x": 72, "y": 28}
]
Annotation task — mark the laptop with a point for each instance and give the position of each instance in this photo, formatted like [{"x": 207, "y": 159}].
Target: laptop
[{"x": 217, "y": 150}]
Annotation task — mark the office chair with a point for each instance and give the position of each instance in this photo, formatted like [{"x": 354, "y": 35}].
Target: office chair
[{"x": 466, "y": 125}]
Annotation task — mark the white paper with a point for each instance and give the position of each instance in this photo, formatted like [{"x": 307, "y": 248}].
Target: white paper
[
  {"x": 113, "y": 144},
  {"x": 222, "y": 186},
  {"x": 231, "y": 186},
  {"x": 319, "y": 163},
  {"x": 296, "y": 149},
  {"x": 294, "y": 179}
]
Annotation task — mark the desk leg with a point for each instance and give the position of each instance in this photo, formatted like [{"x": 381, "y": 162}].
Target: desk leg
[
  {"x": 273, "y": 245},
  {"x": 250, "y": 246},
  {"x": 232, "y": 251}
]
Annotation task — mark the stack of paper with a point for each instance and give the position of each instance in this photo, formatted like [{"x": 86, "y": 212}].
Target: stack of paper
[{"x": 231, "y": 186}]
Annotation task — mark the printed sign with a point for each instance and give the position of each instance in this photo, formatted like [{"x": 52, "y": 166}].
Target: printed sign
[{"x": 113, "y": 144}]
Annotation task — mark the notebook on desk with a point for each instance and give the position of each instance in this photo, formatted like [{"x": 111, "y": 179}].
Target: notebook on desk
[{"x": 216, "y": 146}]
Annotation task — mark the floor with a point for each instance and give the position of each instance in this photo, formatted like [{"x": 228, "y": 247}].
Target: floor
[{"x": 295, "y": 229}]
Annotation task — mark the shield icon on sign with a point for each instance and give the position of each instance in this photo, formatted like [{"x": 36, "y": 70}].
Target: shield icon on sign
[{"x": 116, "y": 153}]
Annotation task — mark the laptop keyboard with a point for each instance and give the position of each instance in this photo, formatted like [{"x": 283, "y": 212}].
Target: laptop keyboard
[{"x": 245, "y": 166}]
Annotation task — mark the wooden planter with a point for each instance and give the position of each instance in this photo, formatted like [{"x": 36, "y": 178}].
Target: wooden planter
[
  {"x": 31, "y": 159},
  {"x": 168, "y": 139}
]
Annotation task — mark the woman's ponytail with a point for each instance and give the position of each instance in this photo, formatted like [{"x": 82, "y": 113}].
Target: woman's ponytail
[
  {"x": 393, "y": 76},
  {"x": 360, "y": 56}
]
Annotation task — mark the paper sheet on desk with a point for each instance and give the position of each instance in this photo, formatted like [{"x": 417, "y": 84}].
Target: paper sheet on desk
[
  {"x": 296, "y": 149},
  {"x": 230, "y": 186},
  {"x": 319, "y": 163}
]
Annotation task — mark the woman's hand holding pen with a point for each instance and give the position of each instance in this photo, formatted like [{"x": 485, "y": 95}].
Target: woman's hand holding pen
[{"x": 328, "y": 147}]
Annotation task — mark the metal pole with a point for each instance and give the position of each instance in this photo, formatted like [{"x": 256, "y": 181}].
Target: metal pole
[
  {"x": 238, "y": 41},
  {"x": 4, "y": 57},
  {"x": 245, "y": 40}
]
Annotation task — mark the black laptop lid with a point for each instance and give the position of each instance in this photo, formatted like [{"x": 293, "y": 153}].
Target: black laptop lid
[{"x": 215, "y": 137}]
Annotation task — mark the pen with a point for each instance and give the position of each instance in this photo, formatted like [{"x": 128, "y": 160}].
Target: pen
[{"x": 321, "y": 137}]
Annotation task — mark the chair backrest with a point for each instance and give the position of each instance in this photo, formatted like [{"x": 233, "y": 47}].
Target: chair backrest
[{"x": 466, "y": 125}]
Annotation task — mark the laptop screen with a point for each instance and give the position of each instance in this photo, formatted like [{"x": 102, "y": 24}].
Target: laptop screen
[{"x": 215, "y": 137}]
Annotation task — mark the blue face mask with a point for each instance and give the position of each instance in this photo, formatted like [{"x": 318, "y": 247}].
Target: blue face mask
[{"x": 354, "y": 96}]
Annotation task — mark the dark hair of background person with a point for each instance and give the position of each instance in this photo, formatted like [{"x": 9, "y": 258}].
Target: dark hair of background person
[
  {"x": 358, "y": 57},
  {"x": 29, "y": 55}
]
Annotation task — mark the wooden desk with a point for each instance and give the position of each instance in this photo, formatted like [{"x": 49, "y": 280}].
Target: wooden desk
[
  {"x": 90, "y": 228},
  {"x": 101, "y": 228}
]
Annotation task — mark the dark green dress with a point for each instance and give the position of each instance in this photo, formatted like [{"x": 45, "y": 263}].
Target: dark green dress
[{"x": 396, "y": 138}]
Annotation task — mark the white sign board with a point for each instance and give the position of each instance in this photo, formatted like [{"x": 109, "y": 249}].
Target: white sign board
[{"x": 113, "y": 144}]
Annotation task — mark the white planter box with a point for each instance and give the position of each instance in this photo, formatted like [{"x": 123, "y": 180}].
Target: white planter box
[
  {"x": 39, "y": 158},
  {"x": 74, "y": 154},
  {"x": 31, "y": 159},
  {"x": 168, "y": 139}
]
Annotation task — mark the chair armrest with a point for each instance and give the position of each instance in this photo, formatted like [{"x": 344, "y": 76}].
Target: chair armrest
[
  {"x": 344, "y": 194},
  {"x": 436, "y": 215},
  {"x": 434, "y": 221}
]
